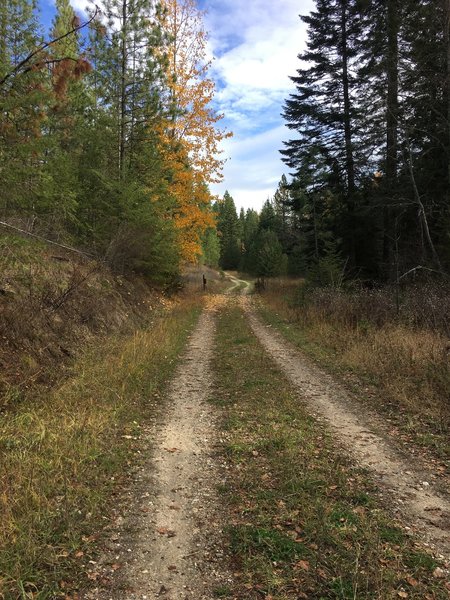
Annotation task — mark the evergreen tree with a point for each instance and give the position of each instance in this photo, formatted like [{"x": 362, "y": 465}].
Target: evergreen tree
[
  {"x": 228, "y": 230},
  {"x": 211, "y": 248},
  {"x": 250, "y": 230},
  {"x": 268, "y": 218},
  {"x": 322, "y": 111},
  {"x": 23, "y": 104},
  {"x": 265, "y": 255}
]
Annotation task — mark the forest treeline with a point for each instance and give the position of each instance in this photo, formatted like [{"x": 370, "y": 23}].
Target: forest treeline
[
  {"x": 369, "y": 152},
  {"x": 108, "y": 138}
]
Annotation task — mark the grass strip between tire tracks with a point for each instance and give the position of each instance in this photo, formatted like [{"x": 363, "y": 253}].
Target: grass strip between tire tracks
[
  {"x": 303, "y": 521},
  {"x": 63, "y": 456}
]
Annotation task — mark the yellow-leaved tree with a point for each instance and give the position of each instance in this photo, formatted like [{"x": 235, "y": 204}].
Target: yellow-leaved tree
[{"x": 190, "y": 135}]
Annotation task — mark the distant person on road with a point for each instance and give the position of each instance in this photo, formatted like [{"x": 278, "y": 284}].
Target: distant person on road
[{"x": 204, "y": 282}]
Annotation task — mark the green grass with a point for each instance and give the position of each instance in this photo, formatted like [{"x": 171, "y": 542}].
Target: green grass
[
  {"x": 64, "y": 455},
  {"x": 304, "y": 522}
]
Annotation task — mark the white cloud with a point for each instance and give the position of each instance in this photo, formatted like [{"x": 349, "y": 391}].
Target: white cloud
[
  {"x": 80, "y": 5},
  {"x": 254, "y": 167},
  {"x": 256, "y": 45}
]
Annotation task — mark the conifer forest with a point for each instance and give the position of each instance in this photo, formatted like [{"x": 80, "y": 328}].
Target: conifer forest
[
  {"x": 368, "y": 151},
  {"x": 237, "y": 394},
  {"x": 108, "y": 137}
]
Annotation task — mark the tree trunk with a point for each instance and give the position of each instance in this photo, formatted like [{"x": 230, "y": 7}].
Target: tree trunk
[
  {"x": 391, "y": 125},
  {"x": 349, "y": 159},
  {"x": 423, "y": 220},
  {"x": 123, "y": 88},
  {"x": 447, "y": 42}
]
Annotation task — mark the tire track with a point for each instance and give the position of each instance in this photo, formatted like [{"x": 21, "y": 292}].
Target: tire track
[
  {"x": 166, "y": 545},
  {"x": 414, "y": 498}
]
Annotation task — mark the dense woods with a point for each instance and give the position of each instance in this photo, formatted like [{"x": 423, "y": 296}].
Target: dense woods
[
  {"x": 369, "y": 152},
  {"x": 370, "y": 146},
  {"x": 109, "y": 141},
  {"x": 107, "y": 133}
]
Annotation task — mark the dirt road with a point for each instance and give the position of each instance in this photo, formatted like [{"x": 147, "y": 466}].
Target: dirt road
[
  {"x": 365, "y": 436},
  {"x": 169, "y": 543},
  {"x": 165, "y": 545}
]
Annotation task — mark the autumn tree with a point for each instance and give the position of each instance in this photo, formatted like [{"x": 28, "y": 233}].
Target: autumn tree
[{"x": 190, "y": 136}]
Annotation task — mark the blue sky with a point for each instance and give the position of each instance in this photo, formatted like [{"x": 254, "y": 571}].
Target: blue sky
[{"x": 255, "y": 44}]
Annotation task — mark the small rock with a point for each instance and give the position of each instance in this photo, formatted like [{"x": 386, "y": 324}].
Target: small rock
[{"x": 438, "y": 573}]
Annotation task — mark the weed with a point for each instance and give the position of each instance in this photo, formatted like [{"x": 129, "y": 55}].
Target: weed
[
  {"x": 270, "y": 543},
  {"x": 304, "y": 522},
  {"x": 222, "y": 591},
  {"x": 63, "y": 454}
]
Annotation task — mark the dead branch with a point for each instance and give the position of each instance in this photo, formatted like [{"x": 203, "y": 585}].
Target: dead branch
[
  {"x": 20, "y": 66},
  {"x": 42, "y": 239}
]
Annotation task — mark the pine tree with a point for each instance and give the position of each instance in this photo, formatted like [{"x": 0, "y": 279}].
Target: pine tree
[
  {"x": 23, "y": 102},
  {"x": 228, "y": 231},
  {"x": 323, "y": 112}
]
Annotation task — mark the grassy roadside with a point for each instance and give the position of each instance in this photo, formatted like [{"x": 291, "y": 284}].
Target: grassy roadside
[
  {"x": 399, "y": 370},
  {"x": 303, "y": 522},
  {"x": 62, "y": 456}
]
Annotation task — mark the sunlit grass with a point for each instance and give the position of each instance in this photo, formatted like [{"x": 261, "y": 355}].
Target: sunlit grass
[
  {"x": 408, "y": 365},
  {"x": 303, "y": 521},
  {"x": 62, "y": 454}
]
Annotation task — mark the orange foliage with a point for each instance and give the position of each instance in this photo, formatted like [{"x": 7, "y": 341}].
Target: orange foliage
[
  {"x": 189, "y": 134},
  {"x": 193, "y": 213},
  {"x": 65, "y": 71}
]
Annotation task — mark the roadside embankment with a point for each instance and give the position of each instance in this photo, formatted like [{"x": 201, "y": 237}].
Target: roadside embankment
[
  {"x": 53, "y": 304},
  {"x": 84, "y": 362}
]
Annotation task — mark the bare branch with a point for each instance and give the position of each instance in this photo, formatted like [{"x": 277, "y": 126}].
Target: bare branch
[
  {"x": 42, "y": 239},
  {"x": 20, "y": 66}
]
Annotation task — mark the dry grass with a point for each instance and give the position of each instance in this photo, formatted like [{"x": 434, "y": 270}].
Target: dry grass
[
  {"x": 61, "y": 455},
  {"x": 408, "y": 363},
  {"x": 303, "y": 522},
  {"x": 52, "y": 303}
]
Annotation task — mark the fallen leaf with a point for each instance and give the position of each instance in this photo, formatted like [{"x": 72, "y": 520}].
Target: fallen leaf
[
  {"x": 303, "y": 564},
  {"x": 172, "y": 567},
  {"x": 438, "y": 573},
  {"x": 172, "y": 450},
  {"x": 162, "y": 530},
  {"x": 79, "y": 554},
  {"x": 412, "y": 582},
  {"x": 115, "y": 566},
  {"x": 402, "y": 594},
  {"x": 166, "y": 531}
]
